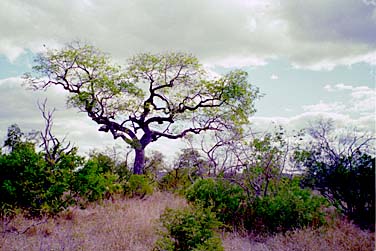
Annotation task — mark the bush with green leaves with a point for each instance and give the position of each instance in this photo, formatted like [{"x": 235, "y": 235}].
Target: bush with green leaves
[
  {"x": 348, "y": 182},
  {"x": 286, "y": 207},
  {"x": 94, "y": 182},
  {"x": 138, "y": 186},
  {"x": 189, "y": 229},
  {"x": 27, "y": 182},
  {"x": 223, "y": 197},
  {"x": 177, "y": 179},
  {"x": 48, "y": 181}
]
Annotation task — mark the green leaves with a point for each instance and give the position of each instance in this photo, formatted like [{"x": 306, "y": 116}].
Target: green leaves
[
  {"x": 288, "y": 207},
  {"x": 162, "y": 95},
  {"x": 221, "y": 196},
  {"x": 189, "y": 229}
]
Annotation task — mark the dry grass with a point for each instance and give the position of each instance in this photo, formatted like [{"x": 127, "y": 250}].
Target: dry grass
[
  {"x": 122, "y": 225},
  {"x": 130, "y": 225},
  {"x": 341, "y": 236}
]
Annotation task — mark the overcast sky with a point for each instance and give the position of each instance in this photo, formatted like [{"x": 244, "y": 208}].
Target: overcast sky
[{"x": 311, "y": 59}]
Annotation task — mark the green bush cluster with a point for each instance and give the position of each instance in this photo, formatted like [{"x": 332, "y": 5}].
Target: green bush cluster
[
  {"x": 349, "y": 182},
  {"x": 189, "y": 229},
  {"x": 94, "y": 182},
  {"x": 27, "y": 182},
  {"x": 177, "y": 179},
  {"x": 287, "y": 207},
  {"x": 224, "y": 198},
  {"x": 32, "y": 183},
  {"x": 138, "y": 185}
]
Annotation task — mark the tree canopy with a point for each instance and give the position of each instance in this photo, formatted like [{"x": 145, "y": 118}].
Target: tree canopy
[{"x": 153, "y": 96}]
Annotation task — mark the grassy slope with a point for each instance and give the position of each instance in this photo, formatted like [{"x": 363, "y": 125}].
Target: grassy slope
[{"x": 130, "y": 225}]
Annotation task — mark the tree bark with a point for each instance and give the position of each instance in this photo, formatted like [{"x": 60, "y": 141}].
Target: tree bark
[{"x": 139, "y": 161}]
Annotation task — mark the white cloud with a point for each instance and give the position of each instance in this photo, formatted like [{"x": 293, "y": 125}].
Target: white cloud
[
  {"x": 361, "y": 100},
  {"x": 315, "y": 34},
  {"x": 342, "y": 86},
  {"x": 274, "y": 77},
  {"x": 357, "y": 109},
  {"x": 328, "y": 88},
  {"x": 303, "y": 120},
  {"x": 325, "y": 107}
]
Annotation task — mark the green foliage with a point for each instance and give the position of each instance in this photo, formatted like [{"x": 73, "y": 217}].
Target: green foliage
[
  {"x": 28, "y": 183},
  {"x": 14, "y": 137},
  {"x": 152, "y": 90},
  {"x": 177, "y": 180},
  {"x": 222, "y": 197},
  {"x": 286, "y": 208},
  {"x": 349, "y": 182},
  {"x": 189, "y": 166},
  {"x": 138, "y": 185},
  {"x": 31, "y": 183},
  {"x": 189, "y": 229},
  {"x": 95, "y": 181}
]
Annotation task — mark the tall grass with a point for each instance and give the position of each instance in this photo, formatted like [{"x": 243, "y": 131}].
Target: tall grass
[
  {"x": 129, "y": 224},
  {"x": 122, "y": 225}
]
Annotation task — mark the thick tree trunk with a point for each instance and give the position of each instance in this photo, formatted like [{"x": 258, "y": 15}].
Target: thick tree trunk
[{"x": 139, "y": 161}]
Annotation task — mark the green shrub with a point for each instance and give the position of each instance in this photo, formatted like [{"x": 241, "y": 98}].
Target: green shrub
[
  {"x": 177, "y": 179},
  {"x": 28, "y": 183},
  {"x": 93, "y": 182},
  {"x": 223, "y": 197},
  {"x": 189, "y": 229},
  {"x": 138, "y": 185},
  {"x": 288, "y": 207},
  {"x": 349, "y": 182}
]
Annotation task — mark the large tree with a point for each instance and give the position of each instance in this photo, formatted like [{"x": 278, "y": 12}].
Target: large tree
[{"x": 152, "y": 96}]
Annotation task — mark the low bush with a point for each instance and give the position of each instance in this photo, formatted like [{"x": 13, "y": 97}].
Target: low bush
[
  {"x": 287, "y": 207},
  {"x": 177, "y": 179},
  {"x": 94, "y": 182},
  {"x": 29, "y": 184},
  {"x": 138, "y": 185},
  {"x": 223, "y": 197},
  {"x": 189, "y": 229}
]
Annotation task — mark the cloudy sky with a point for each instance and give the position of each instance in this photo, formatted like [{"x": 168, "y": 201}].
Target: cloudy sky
[{"x": 311, "y": 59}]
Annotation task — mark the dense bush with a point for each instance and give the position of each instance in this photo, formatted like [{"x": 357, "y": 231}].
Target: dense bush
[
  {"x": 138, "y": 185},
  {"x": 94, "y": 182},
  {"x": 27, "y": 182},
  {"x": 349, "y": 182},
  {"x": 189, "y": 229},
  {"x": 224, "y": 198},
  {"x": 177, "y": 179},
  {"x": 31, "y": 181},
  {"x": 287, "y": 207}
]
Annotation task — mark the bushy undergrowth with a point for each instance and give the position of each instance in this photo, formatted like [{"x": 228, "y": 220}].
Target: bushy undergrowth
[
  {"x": 138, "y": 185},
  {"x": 287, "y": 207},
  {"x": 93, "y": 182},
  {"x": 37, "y": 185},
  {"x": 189, "y": 229},
  {"x": 222, "y": 197},
  {"x": 177, "y": 179},
  {"x": 28, "y": 183}
]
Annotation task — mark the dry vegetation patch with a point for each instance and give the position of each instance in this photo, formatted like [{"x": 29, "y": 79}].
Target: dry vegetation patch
[
  {"x": 129, "y": 224},
  {"x": 341, "y": 236},
  {"x": 120, "y": 225}
]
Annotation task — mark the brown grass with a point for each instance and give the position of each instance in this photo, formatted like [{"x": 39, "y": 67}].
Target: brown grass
[
  {"x": 130, "y": 225},
  {"x": 340, "y": 236},
  {"x": 122, "y": 225}
]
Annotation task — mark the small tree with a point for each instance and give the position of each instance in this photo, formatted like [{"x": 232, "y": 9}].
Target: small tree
[
  {"x": 342, "y": 168},
  {"x": 156, "y": 95}
]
